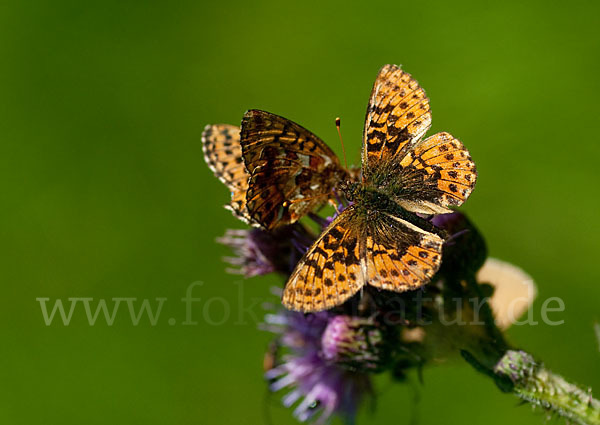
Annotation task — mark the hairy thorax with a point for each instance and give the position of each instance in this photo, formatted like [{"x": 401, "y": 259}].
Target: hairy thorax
[{"x": 368, "y": 198}]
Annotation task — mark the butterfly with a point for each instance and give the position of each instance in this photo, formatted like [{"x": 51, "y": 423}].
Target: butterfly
[
  {"x": 223, "y": 155},
  {"x": 286, "y": 171},
  {"x": 378, "y": 239},
  {"x": 292, "y": 171}
]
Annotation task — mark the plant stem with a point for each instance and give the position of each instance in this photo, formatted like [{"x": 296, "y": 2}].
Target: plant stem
[{"x": 537, "y": 385}]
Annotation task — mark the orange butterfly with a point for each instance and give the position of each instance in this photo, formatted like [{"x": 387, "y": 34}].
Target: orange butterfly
[{"x": 379, "y": 239}]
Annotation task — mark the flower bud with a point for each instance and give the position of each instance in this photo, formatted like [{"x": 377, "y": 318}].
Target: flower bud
[{"x": 355, "y": 343}]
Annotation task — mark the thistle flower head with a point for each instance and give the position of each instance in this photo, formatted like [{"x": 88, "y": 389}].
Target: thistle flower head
[
  {"x": 354, "y": 342},
  {"x": 318, "y": 386},
  {"x": 258, "y": 252}
]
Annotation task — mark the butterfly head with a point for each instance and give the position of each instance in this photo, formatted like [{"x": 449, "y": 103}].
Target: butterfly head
[{"x": 351, "y": 190}]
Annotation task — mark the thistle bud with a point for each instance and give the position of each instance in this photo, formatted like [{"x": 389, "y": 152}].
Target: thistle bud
[{"x": 355, "y": 343}]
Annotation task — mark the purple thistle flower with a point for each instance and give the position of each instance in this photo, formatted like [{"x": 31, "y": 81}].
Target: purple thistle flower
[
  {"x": 250, "y": 259},
  {"x": 354, "y": 342},
  {"x": 319, "y": 386},
  {"x": 258, "y": 252}
]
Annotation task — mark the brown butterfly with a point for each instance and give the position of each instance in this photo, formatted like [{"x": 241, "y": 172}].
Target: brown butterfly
[
  {"x": 378, "y": 239},
  {"x": 292, "y": 171}
]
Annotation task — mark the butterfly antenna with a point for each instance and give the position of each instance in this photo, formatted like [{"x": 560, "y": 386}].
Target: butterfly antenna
[{"x": 337, "y": 125}]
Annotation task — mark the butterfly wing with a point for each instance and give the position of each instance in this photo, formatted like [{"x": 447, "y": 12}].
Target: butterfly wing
[
  {"x": 424, "y": 176},
  {"x": 291, "y": 170},
  {"x": 333, "y": 268},
  {"x": 362, "y": 246},
  {"x": 398, "y": 115},
  {"x": 223, "y": 155},
  {"x": 436, "y": 174},
  {"x": 399, "y": 255}
]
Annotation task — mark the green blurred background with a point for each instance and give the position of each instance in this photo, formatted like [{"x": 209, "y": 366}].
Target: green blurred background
[{"x": 105, "y": 193}]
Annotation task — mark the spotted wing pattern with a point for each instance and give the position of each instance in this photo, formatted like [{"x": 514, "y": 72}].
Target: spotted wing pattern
[
  {"x": 332, "y": 270},
  {"x": 291, "y": 170},
  {"x": 436, "y": 174},
  {"x": 399, "y": 255},
  {"x": 223, "y": 154},
  {"x": 362, "y": 246},
  {"x": 423, "y": 176},
  {"x": 398, "y": 115}
]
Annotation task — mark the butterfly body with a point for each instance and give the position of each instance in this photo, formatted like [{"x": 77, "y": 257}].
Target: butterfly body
[
  {"x": 368, "y": 199},
  {"x": 370, "y": 202}
]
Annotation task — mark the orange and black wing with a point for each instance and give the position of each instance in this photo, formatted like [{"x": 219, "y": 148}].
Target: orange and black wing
[
  {"x": 436, "y": 174},
  {"x": 399, "y": 255},
  {"x": 423, "y": 176},
  {"x": 362, "y": 247},
  {"x": 333, "y": 268},
  {"x": 292, "y": 171},
  {"x": 223, "y": 154},
  {"x": 398, "y": 115}
]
